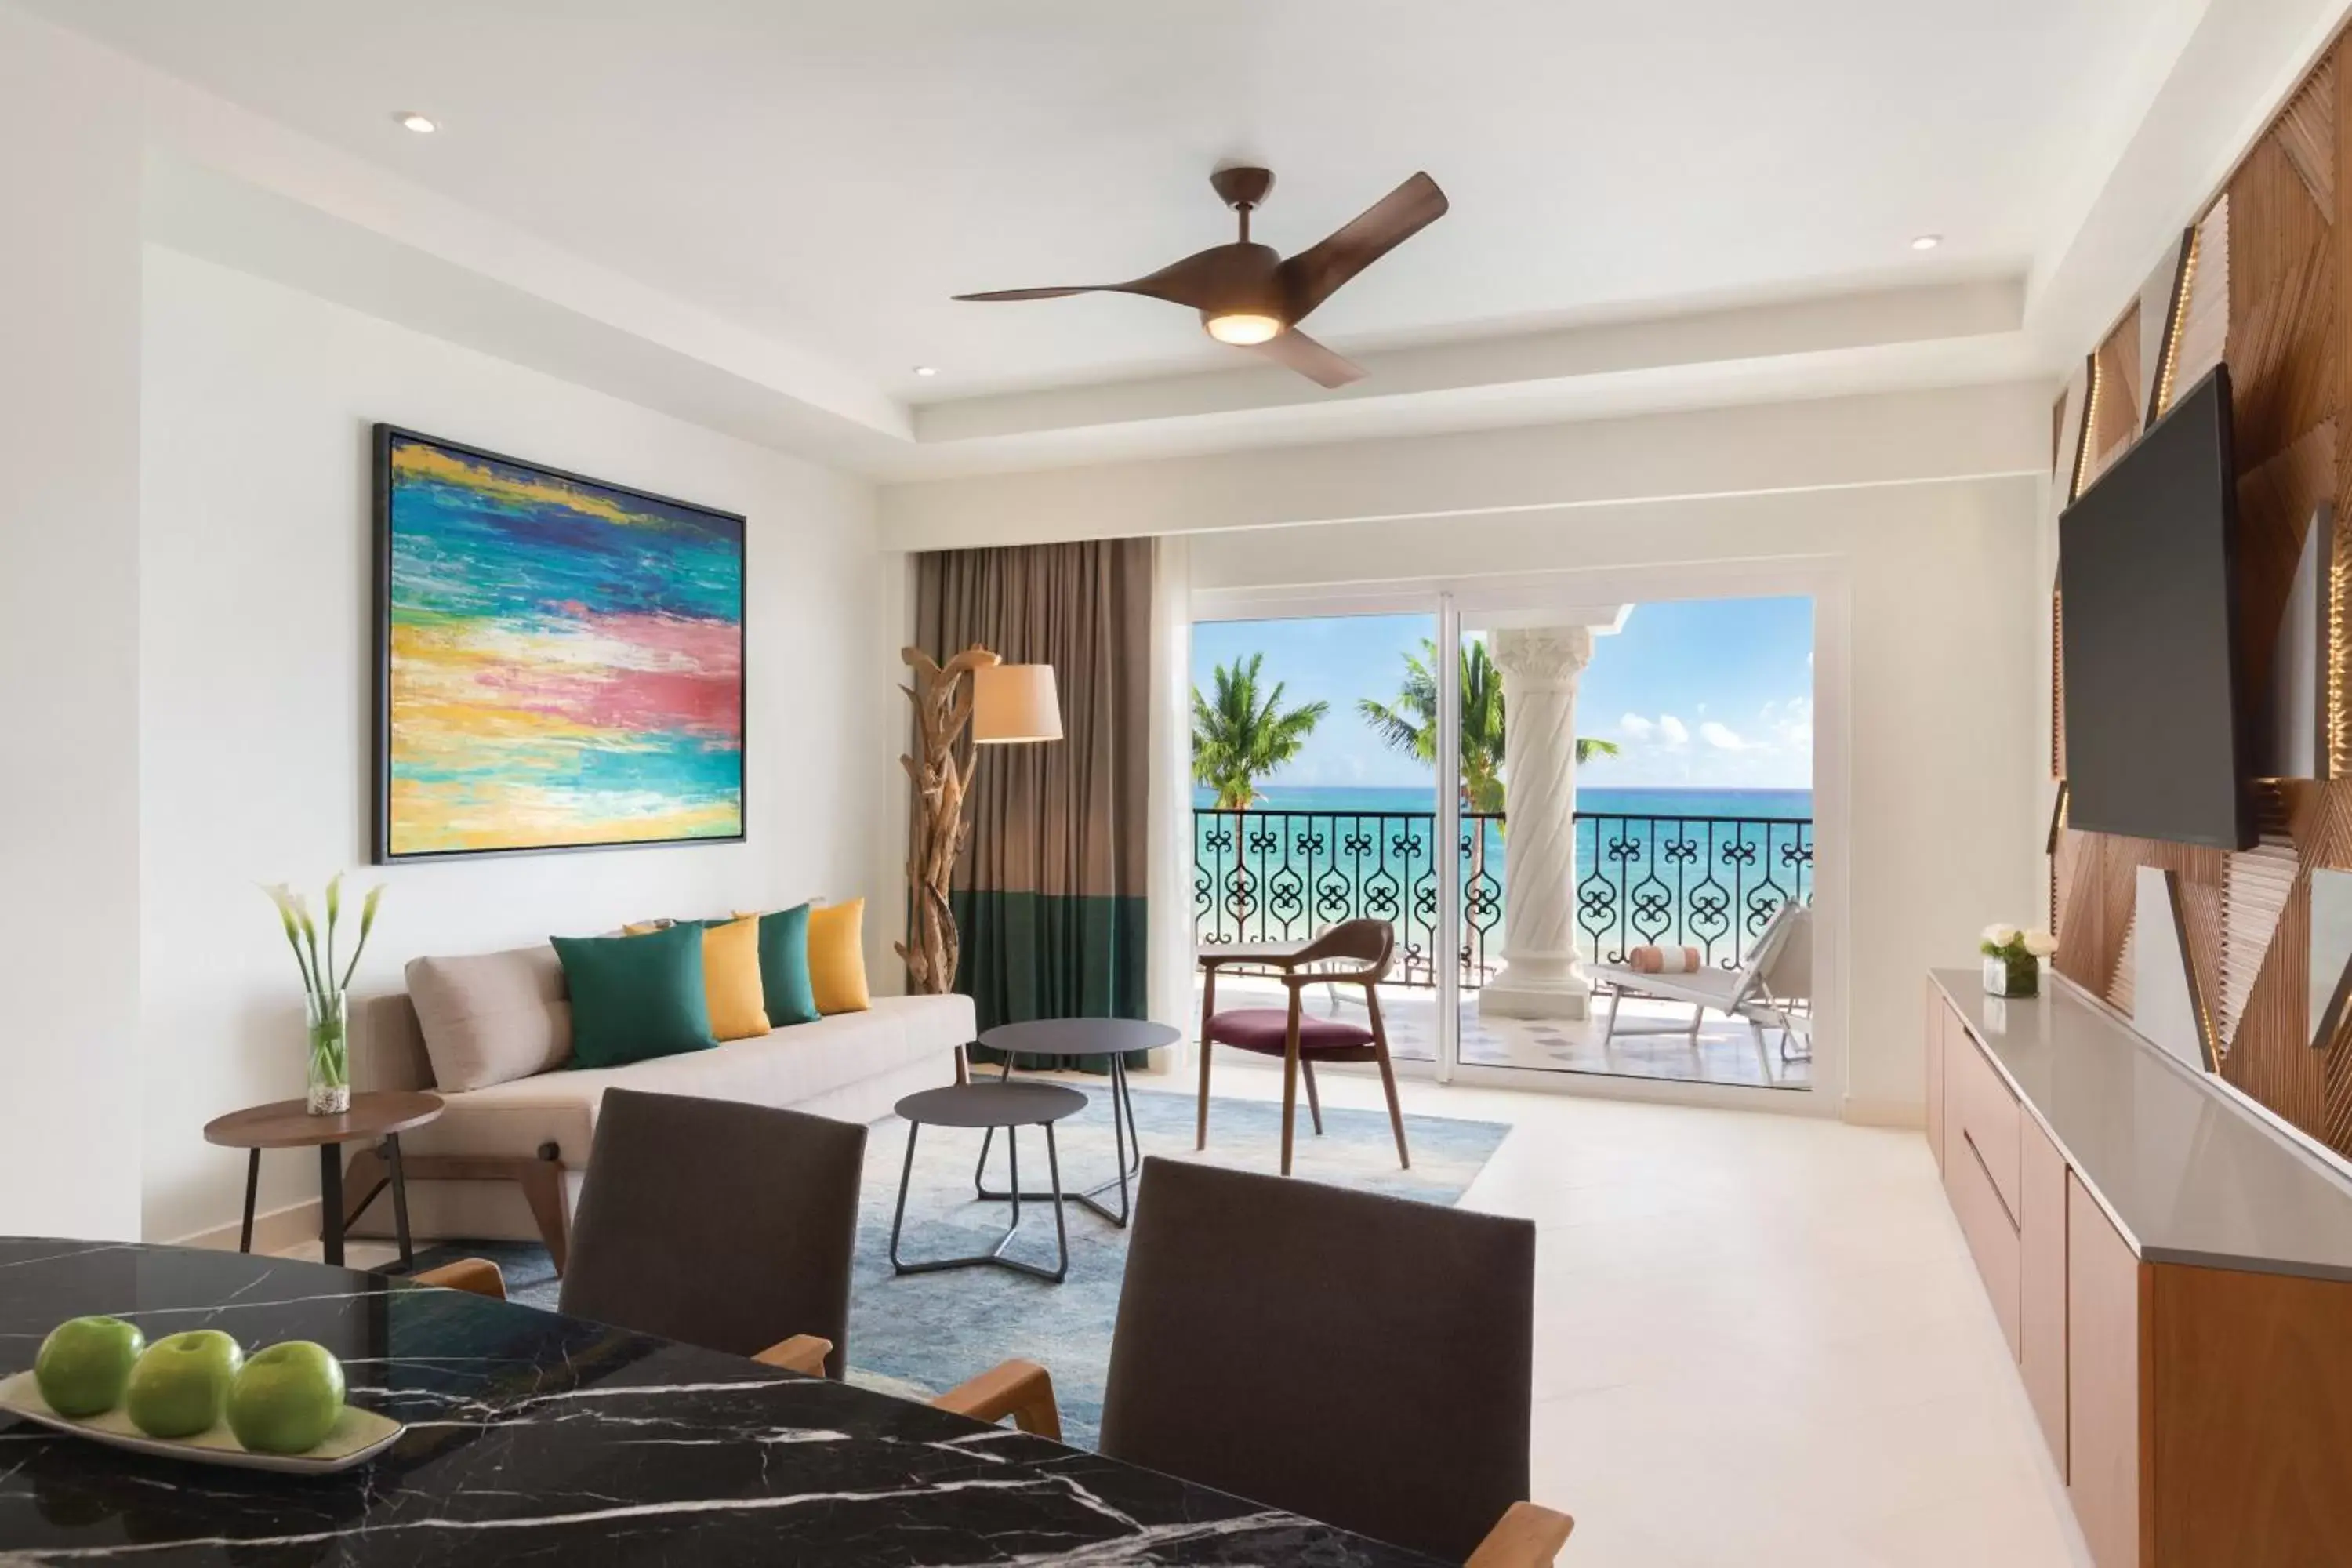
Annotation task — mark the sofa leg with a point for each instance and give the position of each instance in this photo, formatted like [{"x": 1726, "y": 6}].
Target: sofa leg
[{"x": 540, "y": 1176}]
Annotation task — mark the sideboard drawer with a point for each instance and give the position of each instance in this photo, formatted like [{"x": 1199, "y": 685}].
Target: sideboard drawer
[
  {"x": 1992, "y": 1234},
  {"x": 1978, "y": 1106}
]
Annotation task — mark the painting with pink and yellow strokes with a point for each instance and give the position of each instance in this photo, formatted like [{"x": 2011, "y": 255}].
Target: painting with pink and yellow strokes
[{"x": 564, "y": 660}]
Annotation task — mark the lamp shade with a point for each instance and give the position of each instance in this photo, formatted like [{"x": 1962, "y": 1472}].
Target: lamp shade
[{"x": 1011, "y": 702}]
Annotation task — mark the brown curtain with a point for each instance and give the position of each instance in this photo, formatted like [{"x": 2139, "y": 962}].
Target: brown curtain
[{"x": 1049, "y": 896}]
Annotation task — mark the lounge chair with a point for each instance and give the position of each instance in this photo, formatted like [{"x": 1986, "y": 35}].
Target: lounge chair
[{"x": 1773, "y": 984}]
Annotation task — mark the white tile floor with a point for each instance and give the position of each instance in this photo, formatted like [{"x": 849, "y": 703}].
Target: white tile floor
[
  {"x": 1758, "y": 1340},
  {"x": 1726, "y": 1050}
]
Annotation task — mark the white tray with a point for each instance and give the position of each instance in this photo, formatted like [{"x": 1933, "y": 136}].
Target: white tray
[{"x": 358, "y": 1435}]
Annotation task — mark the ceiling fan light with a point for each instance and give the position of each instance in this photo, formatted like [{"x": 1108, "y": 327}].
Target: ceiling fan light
[{"x": 1243, "y": 326}]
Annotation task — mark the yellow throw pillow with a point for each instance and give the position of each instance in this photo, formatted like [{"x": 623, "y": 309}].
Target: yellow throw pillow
[
  {"x": 732, "y": 988},
  {"x": 836, "y": 950},
  {"x": 730, "y": 979}
]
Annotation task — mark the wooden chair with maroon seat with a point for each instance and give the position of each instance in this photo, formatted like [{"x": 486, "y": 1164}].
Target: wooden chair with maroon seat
[{"x": 1353, "y": 953}]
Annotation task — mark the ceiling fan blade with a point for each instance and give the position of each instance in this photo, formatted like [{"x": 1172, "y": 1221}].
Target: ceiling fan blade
[
  {"x": 1315, "y": 274},
  {"x": 1042, "y": 293},
  {"x": 1297, "y": 350},
  {"x": 1202, "y": 280}
]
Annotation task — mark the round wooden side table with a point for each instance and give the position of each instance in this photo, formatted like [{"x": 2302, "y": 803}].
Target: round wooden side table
[{"x": 378, "y": 1119}]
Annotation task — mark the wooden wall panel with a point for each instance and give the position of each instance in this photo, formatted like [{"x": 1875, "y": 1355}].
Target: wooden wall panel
[
  {"x": 2205, "y": 305},
  {"x": 2114, "y": 405},
  {"x": 2263, "y": 282}
]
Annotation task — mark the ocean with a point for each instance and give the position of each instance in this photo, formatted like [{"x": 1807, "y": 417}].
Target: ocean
[
  {"x": 1702, "y": 866},
  {"x": 1790, "y": 803}
]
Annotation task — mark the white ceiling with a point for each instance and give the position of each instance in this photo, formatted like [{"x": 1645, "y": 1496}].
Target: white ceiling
[{"x": 824, "y": 173}]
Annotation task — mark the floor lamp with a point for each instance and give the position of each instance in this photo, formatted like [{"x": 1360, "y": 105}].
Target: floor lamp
[{"x": 999, "y": 704}]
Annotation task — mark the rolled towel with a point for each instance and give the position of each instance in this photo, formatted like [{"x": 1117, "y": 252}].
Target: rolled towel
[{"x": 1664, "y": 959}]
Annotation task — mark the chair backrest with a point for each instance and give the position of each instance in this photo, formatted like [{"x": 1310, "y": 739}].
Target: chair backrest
[
  {"x": 1369, "y": 943},
  {"x": 725, "y": 1226},
  {"x": 1788, "y": 970},
  {"x": 1359, "y": 1359}
]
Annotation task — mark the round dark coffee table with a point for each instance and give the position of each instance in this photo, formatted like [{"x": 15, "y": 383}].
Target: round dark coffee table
[
  {"x": 1009, "y": 1105},
  {"x": 1067, "y": 1040}
]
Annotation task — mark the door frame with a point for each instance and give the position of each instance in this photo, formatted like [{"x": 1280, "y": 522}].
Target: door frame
[{"x": 1827, "y": 580}]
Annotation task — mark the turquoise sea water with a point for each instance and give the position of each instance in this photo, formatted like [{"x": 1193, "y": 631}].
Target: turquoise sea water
[
  {"x": 1705, "y": 867},
  {"x": 1660, "y": 801}
]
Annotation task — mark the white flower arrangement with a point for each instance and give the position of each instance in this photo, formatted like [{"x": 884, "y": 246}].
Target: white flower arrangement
[{"x": 2015, "y": 944}]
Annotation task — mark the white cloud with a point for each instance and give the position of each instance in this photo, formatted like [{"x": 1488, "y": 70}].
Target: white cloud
[
  {"x": 1722, "y": 737},
  {"x": 1672, "y": 731},
  {"x": 1635, "y": 727}
]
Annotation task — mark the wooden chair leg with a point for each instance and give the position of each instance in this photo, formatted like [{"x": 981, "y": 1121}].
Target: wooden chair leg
[
  {"x": 1290, "y": 1081},
  {"x": 1208, "y": 1001},
  {"x": 1314, "y": 1100},
  {"x": 542, "y": 1188},
  {"x": 1201, "y": 1135},
  {"x": 1388, "y": 1077}
]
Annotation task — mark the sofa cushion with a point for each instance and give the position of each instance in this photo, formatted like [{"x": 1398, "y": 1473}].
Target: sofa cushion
[
  {"x": 836, "y": 954},
  {"x": 784, "y": 1069},
  {"x": 491, "y": 1017},
  {"x": 784, "y": 967},
  {"x": 634, "y": 997}
]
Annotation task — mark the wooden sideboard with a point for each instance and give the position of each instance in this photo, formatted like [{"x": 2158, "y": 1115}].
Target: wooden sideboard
[{"x": 2173, "y": 1275}]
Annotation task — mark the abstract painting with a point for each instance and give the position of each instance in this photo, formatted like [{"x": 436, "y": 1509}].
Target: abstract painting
[{"x": 560, "y": 661}]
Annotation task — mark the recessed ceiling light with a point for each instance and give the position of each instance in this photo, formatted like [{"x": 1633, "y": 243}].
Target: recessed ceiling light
[
  {"x": 927, "y": 369},
  {"x": 1927, "y": 242},
  {"x": 422, "y": 124}
]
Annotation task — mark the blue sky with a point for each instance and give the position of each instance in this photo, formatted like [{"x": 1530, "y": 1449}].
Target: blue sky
[{"x": 1701, "y": 693}]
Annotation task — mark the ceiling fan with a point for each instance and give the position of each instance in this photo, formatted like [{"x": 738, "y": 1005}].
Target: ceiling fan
[{"x": 1249, "y": 296}]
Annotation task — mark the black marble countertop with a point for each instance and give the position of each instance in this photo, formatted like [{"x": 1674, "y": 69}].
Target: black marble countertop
[{"x": 536, "y": 1437}]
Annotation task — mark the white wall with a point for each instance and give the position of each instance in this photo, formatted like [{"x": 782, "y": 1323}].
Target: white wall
[
  {"x": 1942, "y": 618},
  {"x": 255, "y": 670},
  {"x": 68, "y": 638}
]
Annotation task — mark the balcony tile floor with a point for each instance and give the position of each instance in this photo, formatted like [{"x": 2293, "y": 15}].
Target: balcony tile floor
[{"x": 1726, "y": 1053}]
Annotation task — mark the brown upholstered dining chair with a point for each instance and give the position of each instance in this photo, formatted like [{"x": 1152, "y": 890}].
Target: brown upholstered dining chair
[
  {"x": 715, "y": 1224},
  {"x": 1367, "y": 1360},
  {"x": 1353, "y": 953}
]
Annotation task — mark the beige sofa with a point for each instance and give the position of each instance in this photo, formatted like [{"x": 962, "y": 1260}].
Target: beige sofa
[{"x": 505, "y": 1159}]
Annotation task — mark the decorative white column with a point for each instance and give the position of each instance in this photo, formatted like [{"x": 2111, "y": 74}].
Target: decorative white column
[{"x": 1541, "y": 976}]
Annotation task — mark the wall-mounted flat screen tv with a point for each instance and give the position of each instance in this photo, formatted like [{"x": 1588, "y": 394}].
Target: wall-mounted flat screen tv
[{"x": 2149, "y": 608}]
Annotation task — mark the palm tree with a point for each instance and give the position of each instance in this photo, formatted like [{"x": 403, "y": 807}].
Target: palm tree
[
  {"x": 1239, "y": 739},
  {"x": 1410, "y": 724}
]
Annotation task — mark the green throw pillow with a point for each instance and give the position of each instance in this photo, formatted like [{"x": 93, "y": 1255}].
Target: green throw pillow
[
  {"x": 784, "y": 967},
  {"x": 636, "y": 997}
]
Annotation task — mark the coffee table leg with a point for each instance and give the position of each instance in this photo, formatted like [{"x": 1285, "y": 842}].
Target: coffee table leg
[
  {"x": 330, "y": 1202},
  {"x": 994, "y": 1255},
  {"x": 252, "y": 1186},
  {"x": 1119, "y": 1125},
  {"x": 1130, "y": 1149},
  {"x": 906, "y": 1176},
  {"x": 1061, "y": 1227},
  {"x": 399, "y": 1198},
  {"x": 980, "y": 1166}
]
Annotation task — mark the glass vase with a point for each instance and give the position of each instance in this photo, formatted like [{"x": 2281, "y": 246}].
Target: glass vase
[
  {"x": 331, "y": 1057},
  {"x": 2018, "y": 974}
]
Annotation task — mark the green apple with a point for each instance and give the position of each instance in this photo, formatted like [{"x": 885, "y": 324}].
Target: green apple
[
  {"x": 287, "y": 1399},
  {"x": 84, "y": 1363},
  {"x": 180, "y": 1386}
]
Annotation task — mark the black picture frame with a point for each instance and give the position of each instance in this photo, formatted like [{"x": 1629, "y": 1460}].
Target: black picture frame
[{"x": 382, "y": 437}]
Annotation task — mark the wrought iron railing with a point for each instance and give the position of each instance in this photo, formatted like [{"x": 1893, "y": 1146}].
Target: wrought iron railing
[{"x": 1708, "y": 882}]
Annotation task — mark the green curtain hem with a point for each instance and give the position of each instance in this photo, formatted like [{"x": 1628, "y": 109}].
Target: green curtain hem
[{"x": 1036, "y": 955}]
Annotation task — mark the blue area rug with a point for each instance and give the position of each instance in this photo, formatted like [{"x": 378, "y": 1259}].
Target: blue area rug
[{"x": 918, "y": 1334}]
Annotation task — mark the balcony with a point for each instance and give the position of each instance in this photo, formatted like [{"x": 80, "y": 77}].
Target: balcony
[{"x": 1708, "y": 882}]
